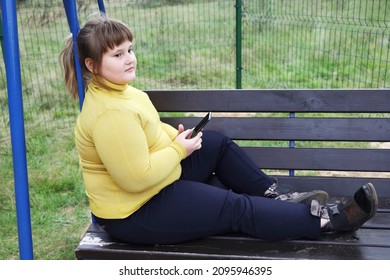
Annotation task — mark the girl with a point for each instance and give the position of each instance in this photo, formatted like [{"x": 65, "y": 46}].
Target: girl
[{"x": 145, "y": 180}]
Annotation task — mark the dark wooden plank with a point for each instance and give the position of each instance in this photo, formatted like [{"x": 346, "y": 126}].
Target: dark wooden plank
[
  {"x": 329, "y": 129},
  {"x": 365, "y": 243},
  {"x": 237, "y": 249},
  {"x": 371, "y": 100},
  {"x": 336, "y": 186},
  {"x": 321, "y": 158},
  {"x": 380, "y": 221}
]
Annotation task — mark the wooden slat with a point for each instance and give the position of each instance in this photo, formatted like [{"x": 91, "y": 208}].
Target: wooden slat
[
  {"x": 379, "y": 221},
  {"x": 334, "y": 129},
  {"x": 375, "y": 100},
  {"x": 336, "y": 186},
  {"x": 237, "y": 249},
  {"x": 321, "y": 159},
  {"x": 366, "y": 243}
]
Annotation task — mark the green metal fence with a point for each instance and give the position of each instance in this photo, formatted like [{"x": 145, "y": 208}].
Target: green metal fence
[{"x": 188, "y": 44}]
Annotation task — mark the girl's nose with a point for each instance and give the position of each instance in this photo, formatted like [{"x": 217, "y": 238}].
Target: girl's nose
[{"x": 129, "y": 57}]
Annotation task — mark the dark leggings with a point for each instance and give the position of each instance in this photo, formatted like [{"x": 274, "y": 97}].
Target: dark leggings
[{"x": 190, "y": 209}]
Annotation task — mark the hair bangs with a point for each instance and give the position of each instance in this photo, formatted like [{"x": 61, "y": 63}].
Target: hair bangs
[{"x": 112, "y": 34}]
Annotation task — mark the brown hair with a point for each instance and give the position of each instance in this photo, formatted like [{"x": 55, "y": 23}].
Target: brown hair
[{"x": 95, "y": 38}]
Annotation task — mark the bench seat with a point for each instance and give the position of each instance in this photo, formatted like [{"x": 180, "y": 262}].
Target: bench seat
[{"x": 335, "y": 140}]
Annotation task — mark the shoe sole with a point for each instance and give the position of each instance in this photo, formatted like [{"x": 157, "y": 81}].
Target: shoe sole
[
  {"x": 370, "y": 191},
  {"x": 321, "y": 196}
]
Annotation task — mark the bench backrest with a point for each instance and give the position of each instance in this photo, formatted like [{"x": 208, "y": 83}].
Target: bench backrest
[{"x": 284, "y": 130}]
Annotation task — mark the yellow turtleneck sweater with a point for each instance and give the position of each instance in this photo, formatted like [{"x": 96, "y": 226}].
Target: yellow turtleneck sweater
[{"x": 127, "y": 154}]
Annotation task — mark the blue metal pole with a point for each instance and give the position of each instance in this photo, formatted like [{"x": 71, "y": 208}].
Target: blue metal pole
[
  {"x": 18, "y": 141},
  {"x": 73, "y": 21},
  {"x": 101, "y": 6}
]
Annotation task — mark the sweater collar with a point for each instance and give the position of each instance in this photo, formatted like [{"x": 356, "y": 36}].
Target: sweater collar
[{"x": 100, "y": 81}]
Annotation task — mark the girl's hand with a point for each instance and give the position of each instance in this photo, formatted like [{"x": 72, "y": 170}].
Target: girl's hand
[{"x": 190, "y": 144}]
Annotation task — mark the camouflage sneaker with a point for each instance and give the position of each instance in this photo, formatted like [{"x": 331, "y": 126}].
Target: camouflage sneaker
[{"x": 298, "y": 197}]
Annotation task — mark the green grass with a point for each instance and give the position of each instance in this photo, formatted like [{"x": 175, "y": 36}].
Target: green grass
[
  {"x": 59, "y": 210},
  {"x": 190, "y": 44}
]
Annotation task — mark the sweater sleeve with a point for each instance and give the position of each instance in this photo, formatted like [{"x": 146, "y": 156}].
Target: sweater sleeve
[
  {"x": 170, "y": 130},
  {"x": 123, "y": 148}
]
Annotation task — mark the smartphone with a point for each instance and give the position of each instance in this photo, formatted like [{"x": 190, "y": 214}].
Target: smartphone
[{"x": 201, "y": 125}]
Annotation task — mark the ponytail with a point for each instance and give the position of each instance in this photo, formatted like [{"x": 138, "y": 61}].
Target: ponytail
[{"x": 68, "y": 63}]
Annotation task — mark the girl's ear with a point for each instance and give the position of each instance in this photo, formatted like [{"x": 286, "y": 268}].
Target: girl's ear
[{"x": 89, "y": 63}]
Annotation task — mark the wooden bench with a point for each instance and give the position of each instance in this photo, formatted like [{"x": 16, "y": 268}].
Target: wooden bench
[{"x": 285, "y": 132}]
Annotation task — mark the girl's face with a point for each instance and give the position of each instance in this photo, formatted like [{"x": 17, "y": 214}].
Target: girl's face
[{"x": 119, "y": 64}]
